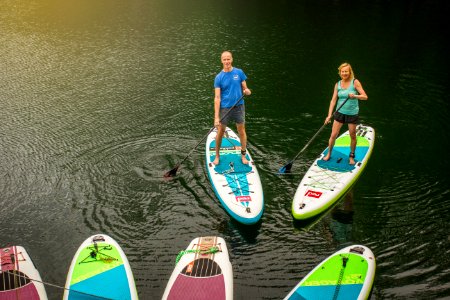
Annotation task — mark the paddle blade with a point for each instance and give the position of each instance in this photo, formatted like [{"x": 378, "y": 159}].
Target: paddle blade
[
  {"x": 172, "y": 172},
  {"x": 285, "y": 169}
]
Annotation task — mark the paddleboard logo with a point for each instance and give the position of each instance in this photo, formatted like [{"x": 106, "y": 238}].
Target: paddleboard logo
[
  {"x": 190, "y": 267},
  {"x": 313, "y": 194},
  {"x": 243, "y": 198}
]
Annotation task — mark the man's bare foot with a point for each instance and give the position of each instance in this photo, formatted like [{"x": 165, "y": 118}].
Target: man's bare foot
[
  {"x": 327, "y": 157},
  {"x": 216, "y": 160},
  {"x": 244, "y": 156}
]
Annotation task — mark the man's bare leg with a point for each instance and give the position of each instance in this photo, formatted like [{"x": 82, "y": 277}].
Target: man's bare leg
[
  {"x": 243, "y": 138},
  {"x": 219, "y": 136}
]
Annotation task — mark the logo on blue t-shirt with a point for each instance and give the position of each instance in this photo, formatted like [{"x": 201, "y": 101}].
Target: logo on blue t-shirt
[{"x": 235, "y": 77}]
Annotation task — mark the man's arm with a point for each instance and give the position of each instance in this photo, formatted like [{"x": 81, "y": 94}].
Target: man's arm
[{"x": 216, "y": 107}]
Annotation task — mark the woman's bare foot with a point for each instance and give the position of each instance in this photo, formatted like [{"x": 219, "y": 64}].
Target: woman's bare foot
[
  {"x": 351, "y": 158},
  {"x": 216, "y": 160},
  {"x": 327, "y": 157}
]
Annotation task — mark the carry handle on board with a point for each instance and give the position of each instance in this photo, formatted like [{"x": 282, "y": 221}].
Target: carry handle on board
[
  {"x": 173, "y": 171},
  {"x": 287, "y": 168}
]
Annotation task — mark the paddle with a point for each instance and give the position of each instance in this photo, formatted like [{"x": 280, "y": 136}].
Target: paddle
[
  {"x": 173, "y": 171},
  {"x": 287, "y": 168}
]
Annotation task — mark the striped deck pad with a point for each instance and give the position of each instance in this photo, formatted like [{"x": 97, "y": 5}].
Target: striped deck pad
[
  {"x": 201, "y": 278},
  {"x": 97, "y": 275},
  {"x": 14, "y": 283},
  {"x": 194, "y": 283}
]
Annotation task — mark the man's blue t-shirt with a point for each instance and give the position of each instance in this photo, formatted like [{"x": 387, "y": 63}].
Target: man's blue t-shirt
[{"x": 230, "y": 86}]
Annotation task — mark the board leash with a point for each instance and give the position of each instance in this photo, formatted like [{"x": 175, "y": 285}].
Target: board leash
[{"x": 53, "y": 285}]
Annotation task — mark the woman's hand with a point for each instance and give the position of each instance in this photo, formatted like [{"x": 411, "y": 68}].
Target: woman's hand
[{"x": 247, "y": 92}]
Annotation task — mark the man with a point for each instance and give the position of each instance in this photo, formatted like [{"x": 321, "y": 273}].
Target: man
[{"x": 229, "y": 87}]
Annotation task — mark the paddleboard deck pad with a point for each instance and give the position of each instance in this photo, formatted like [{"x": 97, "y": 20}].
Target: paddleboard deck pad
[
  {"x": 98, "y": 270},
  {"x": 325, "y": 182},
  {"x": 203, "y": 271},
  {"x": 19, "y": 278},
  {"x": 347, "y": 274},
  {"x": 236, "y": 185}
]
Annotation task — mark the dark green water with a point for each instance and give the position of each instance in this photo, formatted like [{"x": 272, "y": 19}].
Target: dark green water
[{"x": 100, "y": 98}]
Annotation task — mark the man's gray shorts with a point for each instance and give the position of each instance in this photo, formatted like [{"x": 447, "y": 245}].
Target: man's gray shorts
[{"x": 237, "y": 114}]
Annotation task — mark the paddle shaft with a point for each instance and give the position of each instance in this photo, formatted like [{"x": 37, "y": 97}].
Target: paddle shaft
[
  {"x": 314, "y": 136},
  {"x": 310, "y": 141},
  {"x": 174, "y": 170}
]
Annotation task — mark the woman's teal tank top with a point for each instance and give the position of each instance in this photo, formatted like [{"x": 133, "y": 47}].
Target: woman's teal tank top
[{"x": 350, "y": 107}]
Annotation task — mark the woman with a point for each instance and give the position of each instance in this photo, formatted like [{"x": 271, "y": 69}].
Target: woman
[{"x": 351, "y": 88}]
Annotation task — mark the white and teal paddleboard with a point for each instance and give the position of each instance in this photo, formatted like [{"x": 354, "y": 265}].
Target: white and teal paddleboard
[
  {"x": 202, "y": 272},
  {"x": 327, "y": 181},
  {"x": 237, "y": 185},
  {"x": 100, "y": 270},
  {"x": 346, "y": 275}
]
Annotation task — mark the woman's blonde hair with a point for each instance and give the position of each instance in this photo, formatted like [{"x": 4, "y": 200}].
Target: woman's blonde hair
[{"x": 352, "y": 75}]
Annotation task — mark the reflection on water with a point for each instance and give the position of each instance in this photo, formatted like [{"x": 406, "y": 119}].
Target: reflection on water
[
  {"x": 100, "y": 98},
  {"x": 342, "y": 220}
]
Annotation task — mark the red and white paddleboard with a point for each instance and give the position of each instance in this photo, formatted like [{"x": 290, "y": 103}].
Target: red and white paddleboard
[
  {"x": 203, "y": 272},
  {"x": 19, "y": 278}
]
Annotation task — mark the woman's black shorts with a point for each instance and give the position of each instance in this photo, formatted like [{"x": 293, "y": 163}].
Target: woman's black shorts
[{"x": 346, "y": 119}]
